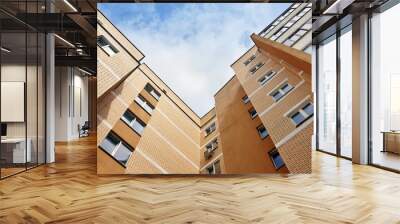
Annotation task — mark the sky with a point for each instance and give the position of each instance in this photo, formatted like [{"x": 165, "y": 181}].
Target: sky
[{"x": 191, "y": 46}]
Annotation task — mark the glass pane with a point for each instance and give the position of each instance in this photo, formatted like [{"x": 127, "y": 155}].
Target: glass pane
[
  {"x": 277, "y": 95},
  {"x": 14, "y": 154},
  {"x": 298, "y": 118},
  {"x": 41, "y": 99},
  {"x": 278, "y": 161},
  {"x": 138, "y": 127},
  {"x": 327, "y": 96},
  {"x": 109, "y": 144},
  {"x": 31, "y": 100},
  {"x": 346, "y": 94},
  {"x": 263, "y": 132},
  {"x": 128, "y": 117},
  {"x": 309, "y": 109},
  {"x": 286, "y": 88},
  {"x": 122, "y": 154},
  {"x": 385, "y": 89},
  {"x": 148, "y": 108}
]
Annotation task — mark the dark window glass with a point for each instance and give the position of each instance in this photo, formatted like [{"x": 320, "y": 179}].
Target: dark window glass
[
  {"x": 245, "y": 99},
  {"x": 150, "y": 89},
  {"x": 262, "y": 131},
  {"x": 133, "y": 121},
  {"x": 276, "y": 158},
  {"x": 253, "y": 113},
  {"x": 277, "y": 95},
  {"x": 309, "y": 109},
  {"x": 298, "y": 118}
]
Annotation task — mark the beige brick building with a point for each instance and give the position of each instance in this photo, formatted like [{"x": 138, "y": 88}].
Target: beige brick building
[{"x": 261, "y": 122}]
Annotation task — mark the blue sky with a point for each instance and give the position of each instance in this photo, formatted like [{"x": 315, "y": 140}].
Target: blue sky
[{"x": 191, "y": 46}]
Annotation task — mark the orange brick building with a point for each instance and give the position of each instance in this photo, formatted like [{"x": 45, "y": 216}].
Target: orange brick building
[{"x": 261, "y": 122}]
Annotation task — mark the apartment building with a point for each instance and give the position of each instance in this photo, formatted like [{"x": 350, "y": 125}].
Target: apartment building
[{"x": 261, "y": 122}]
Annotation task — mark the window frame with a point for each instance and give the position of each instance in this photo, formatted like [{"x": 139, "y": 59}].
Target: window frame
[
  {"x": 213, "y": 165},
  {"x": 105, "y": 44},
  {"x": 135, "y": 119},
  {"x": 250, "y": 113},
  {"x": 121, "y": 142},
  {"x": 300, "y": 110},
  {"x": 212, "y": 127},
  {"x": 246, "y": 99},
  {"x": 249, "y": 60},
  {"x": 150, "y": 89},
  {"x": 145, "y": 101},
  {"x": 268, "y": 76},
  {"x": 281, "y": 91},
  {"x": 256, "y": 67},
  {"x": 259, "y": 133},
  {"x": 213, "y": 144},
  {"x": 271, "y": 154}
]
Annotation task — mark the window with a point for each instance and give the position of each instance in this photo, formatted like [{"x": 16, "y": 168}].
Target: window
[
  {"x": 253, "y": 113},
  {"x": 132, "y": 121},
  {"x": 384, "y": 100},
  {"x": 215, "y": 168},
  {"x": 212, "y": 145},
  {"x": 276, "y": 158},
  {"x": 144, "y": 104},
  {"x": 282, "y": 91},
  {"x": 106, "y": 45},
  {"x": 116, "y": 148},
  {"x": 327, "y": 95},
  {"x": 291, "y": 22},
  {"x": 279, "y": 33},
  {"x": 150, "y": 89},
  {"x": 266, "y": 77},
  {"x": 298, "y": 34},
  {"x": 210, "y": 129},
  {"x": 256, "y": 67},
  {"x": 249, "y": 60},
  {"x": 262, "y": 131},
  {"x": 303, "y": 114},
  {"x": 245, "y": 99}
]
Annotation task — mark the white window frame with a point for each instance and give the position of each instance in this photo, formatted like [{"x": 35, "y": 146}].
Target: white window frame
[
  {"x": 246, "y": 99},
  {"x": 280, "y": 89},
  {"x": 302, "y": 112},
  {"x": 256, "y": 67},
  {"x": 135, "y": 119},
  {"x": 152, "y": 91},
  {"x": 247, "y": 62},
  {"x": 144, "y": 104},
  {"x": 253, "y": 115},
  {"x": 213, "y": 144},
  {"x": 258, "y": 130},
  {"x": 117, "y": 147},
  {"x": 108, "y": 47},
  {"x": 210, "y": 129},
  {"x": 267, "y": 77},
  {"x": 213, "y": 166}
]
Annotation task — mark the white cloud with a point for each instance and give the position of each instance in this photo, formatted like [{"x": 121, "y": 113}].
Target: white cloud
[{"x": 192, "y": 46}]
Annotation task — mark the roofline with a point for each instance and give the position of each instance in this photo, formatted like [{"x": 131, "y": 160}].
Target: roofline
[
  {"x": 212, "y": 108},
  {"x": 226, "y": 83}
]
